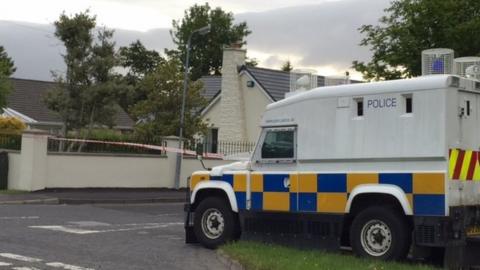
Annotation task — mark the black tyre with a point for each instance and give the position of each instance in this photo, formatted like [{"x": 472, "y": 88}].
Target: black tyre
[
  {"x": 215, "y": 223},
  {"x": 381, "y": 233}
]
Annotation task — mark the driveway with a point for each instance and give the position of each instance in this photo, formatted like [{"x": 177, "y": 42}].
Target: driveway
[{"x": 80, "y": 237}]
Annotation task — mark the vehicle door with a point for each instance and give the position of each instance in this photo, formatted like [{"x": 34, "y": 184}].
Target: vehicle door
[{"x": 274, "y": 181}]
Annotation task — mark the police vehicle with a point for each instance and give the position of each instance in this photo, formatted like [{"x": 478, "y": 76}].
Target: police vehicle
[{"x": 384, "y": 168}]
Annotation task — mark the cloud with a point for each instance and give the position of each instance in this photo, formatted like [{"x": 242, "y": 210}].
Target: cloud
[
  {"x": 322, "y": 36},
  {"x": 37, "y": 52},
  {"x": 139, "y": 15},
  {"x": 33, "y": 48},
  {"x": 175, "y": 8}
]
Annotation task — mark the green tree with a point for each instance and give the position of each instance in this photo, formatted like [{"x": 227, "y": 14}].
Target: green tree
[
  {"x": 251, "y": 62},
  {"x": 138, "y": 61},
  {"x": 287, "y": 66},
  {"x": 159, "y": 113},
  {"x": 85, "y": 95},
  {"x": 411, "y": 26},
  {"x": 206, "y": 56},
  {"x": 7, "y": 68},
  {"x": 101, "y": 95}
]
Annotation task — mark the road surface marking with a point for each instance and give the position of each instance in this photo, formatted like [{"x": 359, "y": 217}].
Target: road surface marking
[
  {"x": 36, "y": 260},
  {"x": 67, "y": 266},
  {"x": 28, "y": 217},
  {"x": 89, "y": 223},
  {"x": 64, "y": 229},
  {"x": 151, "y": 224},
  {"x": 147, "y": 226},
  {"x": 130, "y": 227},
  {"x": 19, "y": 257}
]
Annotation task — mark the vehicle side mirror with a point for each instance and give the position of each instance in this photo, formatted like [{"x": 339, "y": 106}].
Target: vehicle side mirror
[{"x": 199, "y": 150}]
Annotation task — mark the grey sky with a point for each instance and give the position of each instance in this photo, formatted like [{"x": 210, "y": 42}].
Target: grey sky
[{"x": 310, "y": 33}]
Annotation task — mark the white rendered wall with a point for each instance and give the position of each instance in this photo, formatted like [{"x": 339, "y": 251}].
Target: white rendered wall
[
  {"x": 35, "y": 169},
  {"x": 213, "y": 115},
  {"x": 97, "y": 171},
  {"x": 76, "y": 171},
  {"x": 14, "y": 170},
  {"x": 255, "y": 103}
]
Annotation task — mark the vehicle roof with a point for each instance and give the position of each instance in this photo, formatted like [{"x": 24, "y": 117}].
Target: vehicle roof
[{"x": 393, "y": 86}]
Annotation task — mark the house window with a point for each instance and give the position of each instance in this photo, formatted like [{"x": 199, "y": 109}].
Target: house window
[
  {"x": 212, "y": 140},
  {"x": 279, "y": 144}
]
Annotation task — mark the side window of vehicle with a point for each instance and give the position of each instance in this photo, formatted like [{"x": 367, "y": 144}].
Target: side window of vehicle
[{"x": 279, "y": 143}]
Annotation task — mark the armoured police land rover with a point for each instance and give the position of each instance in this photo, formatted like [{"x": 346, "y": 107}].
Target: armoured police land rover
[{"x": 384, "y": 168}]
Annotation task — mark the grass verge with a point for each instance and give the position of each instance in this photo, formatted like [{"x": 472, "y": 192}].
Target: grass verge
[
  {"x": 258, "y": 256},
  {"x": 12, "y": 191}
]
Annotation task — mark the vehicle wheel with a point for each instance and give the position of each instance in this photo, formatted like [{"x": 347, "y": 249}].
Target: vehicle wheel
[
  {"x": 381, "y": 233},
  {"x": 214, "y": 223}
]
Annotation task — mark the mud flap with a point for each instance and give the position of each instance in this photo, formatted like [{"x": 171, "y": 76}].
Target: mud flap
[
  {"x": 472, "y": 251},
  {"x": 463, "y": 255},
  {"x": 454, "y": 253},
  {"x": 463, "y": 251},
  {"x": 190, "y": 237}
]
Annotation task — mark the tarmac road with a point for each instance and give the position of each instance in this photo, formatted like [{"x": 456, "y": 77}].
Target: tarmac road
[{"x": 80, "y": 237}]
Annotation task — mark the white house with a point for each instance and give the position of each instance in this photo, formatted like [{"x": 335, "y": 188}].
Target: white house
[{"x": 238, "y": 98}]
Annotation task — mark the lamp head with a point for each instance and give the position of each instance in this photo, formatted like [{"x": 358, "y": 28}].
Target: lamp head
[{"x": 204, "y": 30}]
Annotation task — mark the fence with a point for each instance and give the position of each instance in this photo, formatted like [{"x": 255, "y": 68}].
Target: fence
[
  {"x": 225, "y": 148},
  {"x": 114, "y": 146},
  {"x": 10, "y": 141},
  {"x": 35, "y": 168}
]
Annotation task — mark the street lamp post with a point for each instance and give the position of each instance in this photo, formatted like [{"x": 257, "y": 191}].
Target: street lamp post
[{"x": 201, "y": 31}]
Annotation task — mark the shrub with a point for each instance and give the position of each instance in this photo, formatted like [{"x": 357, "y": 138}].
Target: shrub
[
  {"x": 11, "y": 125},
  {"x": 98, "y": 134}
]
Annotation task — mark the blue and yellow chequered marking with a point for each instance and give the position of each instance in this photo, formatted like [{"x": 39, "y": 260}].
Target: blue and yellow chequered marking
[
  {"x": 328, "y": 192},
  {"x": 237, "y": 181},
  {"x": 197, "y": 178}
]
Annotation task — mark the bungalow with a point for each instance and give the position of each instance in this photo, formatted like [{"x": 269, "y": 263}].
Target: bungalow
[
  {"x": 25, "y": 102},
  {"x": 237, "y": 98}
]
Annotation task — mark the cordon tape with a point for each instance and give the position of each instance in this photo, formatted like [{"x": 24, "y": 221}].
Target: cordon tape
[{"x": 140, "y": 145}]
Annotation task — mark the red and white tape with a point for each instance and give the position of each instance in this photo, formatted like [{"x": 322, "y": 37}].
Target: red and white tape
[{"x": 141, "y": 145}]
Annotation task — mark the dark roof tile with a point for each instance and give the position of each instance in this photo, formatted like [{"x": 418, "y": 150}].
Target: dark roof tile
[
  {"x": 211, "y": 86},
  {"x": 275, "y": 82},
  {"x": 27, "y": 98}
]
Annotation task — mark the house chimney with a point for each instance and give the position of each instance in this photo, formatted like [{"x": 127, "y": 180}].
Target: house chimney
[{"x": 232, "y": 125}]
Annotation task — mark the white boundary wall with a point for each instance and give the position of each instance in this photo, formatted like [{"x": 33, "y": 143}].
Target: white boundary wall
[
  {"x": 14, "y": 170},
  {"x": 35, "y": 169}
]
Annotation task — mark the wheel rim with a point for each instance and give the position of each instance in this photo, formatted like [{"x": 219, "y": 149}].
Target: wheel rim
[
  {"x": 213, "y": 223},
  {"x": 376, "y": 238}
]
